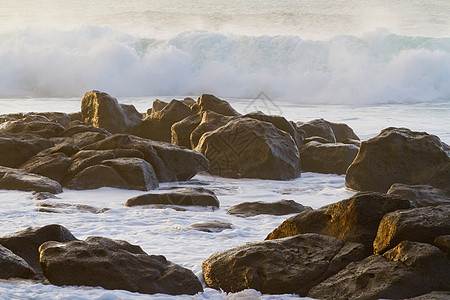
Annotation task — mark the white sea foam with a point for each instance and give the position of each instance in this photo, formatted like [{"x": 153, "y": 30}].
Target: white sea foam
[{"x": 377, "y": 67}]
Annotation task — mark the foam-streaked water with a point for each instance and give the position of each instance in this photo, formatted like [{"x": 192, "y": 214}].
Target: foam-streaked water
[{"x": 297, "y": 51}]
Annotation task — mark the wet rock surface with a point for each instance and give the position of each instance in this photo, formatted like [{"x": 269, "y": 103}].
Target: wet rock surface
[{"x": 282, "y": 207}]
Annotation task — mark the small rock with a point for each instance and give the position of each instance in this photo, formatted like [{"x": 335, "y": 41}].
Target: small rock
[
  {"x": 187, "y": 196},
  {"x": 282, "y": 207},
  {"x": 211, "y": 226}
]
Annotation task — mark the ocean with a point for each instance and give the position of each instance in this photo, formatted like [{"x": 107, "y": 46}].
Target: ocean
[{"x": 370, "y": 64}]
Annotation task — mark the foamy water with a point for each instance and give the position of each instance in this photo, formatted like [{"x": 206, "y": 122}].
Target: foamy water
[{"x": 313, "y": 52}]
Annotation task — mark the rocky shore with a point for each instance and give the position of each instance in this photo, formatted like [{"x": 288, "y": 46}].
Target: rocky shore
[{"x": 390, "y": 240}]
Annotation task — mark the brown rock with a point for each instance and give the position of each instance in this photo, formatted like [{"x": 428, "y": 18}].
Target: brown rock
[
  {"x": 187, "y": 196},
  {"x": 53, "y": 166},
  {"x": 17, "y": 179},
  {"x": 101, "y": 110},
  {"x": 421, "y": 195},
  {"x": 15, "y": 149},
  {"x": 353, "y": 220},
  {"x": 279, "y": 208},
  {"x": 399, "y": 155},
  {"x": 114, "y": 265},
  {"x": 212, "y": 103},
  {"x": 417, "y": 224},
  {"x": 211, "y": 226},
  {"x": 327, "y": 158},
  {"x": 318, "y": 127},
  {"x": 181, "y": 131},
  {"x": 411, "y": 269},
  {"x": 290, "y": 265},
  {"x": 157, "y": 126},
  {"x": 210, "y": 121},
  {"x": 25, "y": 243},
  {"x": 12, "y": 265},
  {"x": 250, "y": 148}
]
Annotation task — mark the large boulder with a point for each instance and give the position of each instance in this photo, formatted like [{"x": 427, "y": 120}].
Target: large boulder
[
  {"x": 353, "y": 220},
  {"x": 15, "y": 149},
  {"x": 290, "y": 265},
  {"x": 421, "y": 195},
  {"x": 212, "y": 103},
  {"x": 53, "y": 166},
  {"x": 158, "y": 125},
  {"x": 114, "y": 265},
  {"x": 399, "y": 155},
  {"x": 250, "y": 148},
  {"x": 443, "y": 243},
  {"x": 25, "y": 243},
  {"x": 181, "y": 131},
  {"x": 14, "y": 266},
  {"x": 317, "y": 127},
  {"x": 18, "y": 179},
  {"x": 170, "y": 162},
  {"x": 327, "y": 158},
  {"x": 279, "y": 208},
  {"x": 184, "y": 197},
  {"x": 417, "y": 224},
  {"x": 410, "y": 269},
  {"x": 210, "y": 121},
  {"x": 101, "y": 110},
  {"x": 280, "y": 123}
]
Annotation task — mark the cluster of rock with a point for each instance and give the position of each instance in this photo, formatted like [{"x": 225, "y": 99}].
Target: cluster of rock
[
  {"x": 327, "y": 253},
  {"x": 52, "y": 253},
  {"x": 44, "y": 152}
]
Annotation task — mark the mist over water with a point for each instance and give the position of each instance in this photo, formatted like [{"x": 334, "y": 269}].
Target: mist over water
[{"x": 297, "y": 51}]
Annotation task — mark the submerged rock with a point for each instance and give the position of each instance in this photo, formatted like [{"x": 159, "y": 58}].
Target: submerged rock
[
  {"x": 114, "y": 265},
  {"x": 410, "y": 269},
  {"x": 187, "y": 196},
  {"x": 282, "y": 207},
  {"x": 211, "y": 226},
  {"x": 250, "y": 148},
  {"x": 353, "y": 220},
  {"x": 399, "y": 155},
  {"x": 290, "y": 265}
]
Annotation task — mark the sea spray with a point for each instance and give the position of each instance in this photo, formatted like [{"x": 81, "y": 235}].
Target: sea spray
[{"x": 377, "y": 67}]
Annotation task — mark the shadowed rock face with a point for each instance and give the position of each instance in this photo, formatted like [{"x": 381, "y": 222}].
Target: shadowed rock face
[
  {"x": 399, "y": 155},
  {"x": 318, "y": 127},
  {"x": 12, "y": 265},
  {"x": 290, "y": 265},
  {"x": 282, "y": 207},
  {"x": 181, "y": 131},
  {"x": 114, "y": 264},
  {"x": 353, "y": 220},
  {"x": 18, "y": 179},
  {"x": 250, "y": 148},
  {"x": 25, "y": 243},
  {"x": 408, "y": 270},
  {"x": 187, "y": 196},
  {"x": 417, "y": 224}
]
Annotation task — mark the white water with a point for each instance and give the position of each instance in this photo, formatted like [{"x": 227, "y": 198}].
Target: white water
[{"x": 310, "y": 52}]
